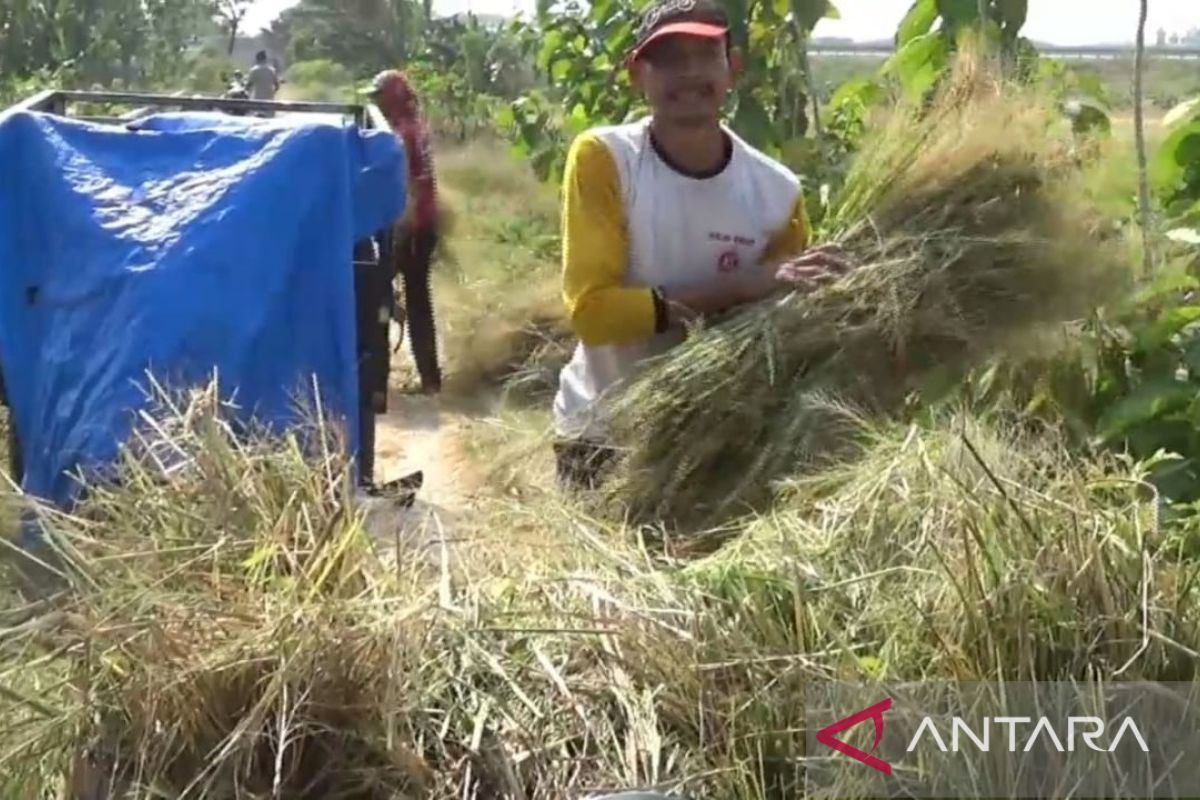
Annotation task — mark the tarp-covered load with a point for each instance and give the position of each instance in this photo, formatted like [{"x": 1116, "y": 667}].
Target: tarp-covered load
[{"x": 184, "y": 245}]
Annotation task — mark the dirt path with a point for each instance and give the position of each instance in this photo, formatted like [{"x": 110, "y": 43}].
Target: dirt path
[
  {"x": 422, "y": 433},
  {"x": 419, "y": 434}
]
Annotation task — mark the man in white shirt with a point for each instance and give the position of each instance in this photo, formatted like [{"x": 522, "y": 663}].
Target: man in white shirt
[
  {"x": 262, "y": 80},
  {"x": 667, "y": 219}
]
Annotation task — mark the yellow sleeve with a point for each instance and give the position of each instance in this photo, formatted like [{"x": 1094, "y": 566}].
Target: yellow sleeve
[
  {"x": 595, "y": 251},
  {"x": 793, "y": 237}
]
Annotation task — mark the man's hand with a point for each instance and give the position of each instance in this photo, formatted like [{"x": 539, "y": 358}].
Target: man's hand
[
  {"x": 815, "y": 267},
  {"x": 808, "y": 271}
]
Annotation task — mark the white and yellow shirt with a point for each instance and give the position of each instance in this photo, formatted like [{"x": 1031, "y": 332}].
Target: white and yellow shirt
[{"x": 633, "y": 224}]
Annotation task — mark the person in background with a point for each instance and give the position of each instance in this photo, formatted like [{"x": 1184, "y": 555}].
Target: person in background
[
  {"x": 235, "y": 87},
  {"x": 417, "y": 232},
  {"x": 668, "y": 219},
  {"x": 262, "y": 80}
]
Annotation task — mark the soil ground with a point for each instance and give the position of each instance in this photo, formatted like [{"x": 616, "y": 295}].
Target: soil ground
[{"x": 424, "y": 433}]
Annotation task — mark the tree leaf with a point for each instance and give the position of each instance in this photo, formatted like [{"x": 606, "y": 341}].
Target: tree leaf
[
  {"x": 1191, "y": 356},
  {"x": 1147, "y": 402},
  {"x": 958, "y": 13},
  {"x": 1013, "y": 14},
  {"x": 751, "y": 120},
  {"x": 917, "y": 22},
  {"x": 504, "y": 117},
  {"x": 549, "y": 49},
  {"x": 1175, "y": 480},
  {"x": 860, "y": 90},
  {"x": 1186, "y": 213},
  {"x": 810, "y": 12},
  {"x": 601, "y": 9},
  {"x": 577, "y": 121},
  {"x": 1178, "y": 150},
  {"x": 918, "y": 63},
  {"x": 1169, "y": 323}
]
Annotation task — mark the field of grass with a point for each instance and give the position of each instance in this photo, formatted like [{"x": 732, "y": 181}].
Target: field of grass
[
  {"x": 551, "y": 654},
  {"x": 233, "y": 622},
  {"x": 1167, "y": 82},
  {"x": 497, "y": 275}
]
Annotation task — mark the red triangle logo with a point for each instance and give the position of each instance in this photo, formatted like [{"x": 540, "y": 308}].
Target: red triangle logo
[{"x": 873, "y": 713}]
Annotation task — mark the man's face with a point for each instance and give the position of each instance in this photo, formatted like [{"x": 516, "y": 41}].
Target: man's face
[
  {"x": 395, "y": 101},
  {"x": 685, "y": 78}
]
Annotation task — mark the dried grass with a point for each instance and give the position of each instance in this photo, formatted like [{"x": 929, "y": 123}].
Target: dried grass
[
  {"x": 225, "y": 628},
  {"x": 210, "y": 604}
]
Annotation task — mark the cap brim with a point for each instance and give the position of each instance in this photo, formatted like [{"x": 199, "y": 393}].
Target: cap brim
[{"x": 704, "y": 30}]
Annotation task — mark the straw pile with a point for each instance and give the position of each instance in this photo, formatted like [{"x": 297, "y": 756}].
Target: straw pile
[
  {"x": 964, "y": 220},
  {"x": 224, "y": 630},
  {"x": 208, "y": 609}
]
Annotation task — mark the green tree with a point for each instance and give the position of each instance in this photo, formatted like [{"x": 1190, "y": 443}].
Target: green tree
[
  {"x": 932, "y": 29},
  {"x": 364, "y": 36},
  {"x": 230, "y": 13},
  {"x": 97, "y": 41}
]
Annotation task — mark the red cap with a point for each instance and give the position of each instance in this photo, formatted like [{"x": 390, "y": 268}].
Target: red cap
[
  {"x": 703, "y": 18},
  {"x": 702, "y": 29}
]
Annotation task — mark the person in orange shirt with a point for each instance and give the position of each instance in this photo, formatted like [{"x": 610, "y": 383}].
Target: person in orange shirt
[{"x": 418, "y": 231}]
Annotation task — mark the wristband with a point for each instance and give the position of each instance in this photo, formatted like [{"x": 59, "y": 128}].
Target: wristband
[{"x": 662, "y": 318}]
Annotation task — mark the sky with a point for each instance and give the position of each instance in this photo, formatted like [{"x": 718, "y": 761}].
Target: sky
[{"x": 1064, "y": 22}]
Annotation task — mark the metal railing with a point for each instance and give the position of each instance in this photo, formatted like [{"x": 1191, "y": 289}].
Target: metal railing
[{"x": 60, "y": 101}]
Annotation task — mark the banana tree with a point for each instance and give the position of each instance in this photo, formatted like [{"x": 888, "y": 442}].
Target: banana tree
[{"x": 933, "y": 29}]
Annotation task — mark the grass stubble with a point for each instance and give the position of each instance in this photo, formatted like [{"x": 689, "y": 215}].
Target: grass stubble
[{"x": 223, "y": 626}]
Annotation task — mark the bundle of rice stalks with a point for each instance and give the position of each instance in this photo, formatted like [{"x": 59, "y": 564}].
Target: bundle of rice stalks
[
  {"x": 1016, "y": 557},
  {"x": 967, "y": 231},
  {"x": 211, "y": 618}
]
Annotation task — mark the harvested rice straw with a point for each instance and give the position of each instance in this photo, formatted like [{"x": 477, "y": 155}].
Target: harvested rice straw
[
  {"x": 967, "y": 228},
  {"x": 220, "y": 624}
]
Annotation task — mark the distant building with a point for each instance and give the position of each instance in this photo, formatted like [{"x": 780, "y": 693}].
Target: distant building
[
  {"x": 832, "y": 41},
  {"x": 1189, "y": 39}
]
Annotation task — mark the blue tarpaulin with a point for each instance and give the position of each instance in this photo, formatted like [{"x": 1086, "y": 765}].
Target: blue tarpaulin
[{"x": 185, "y": 245}]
